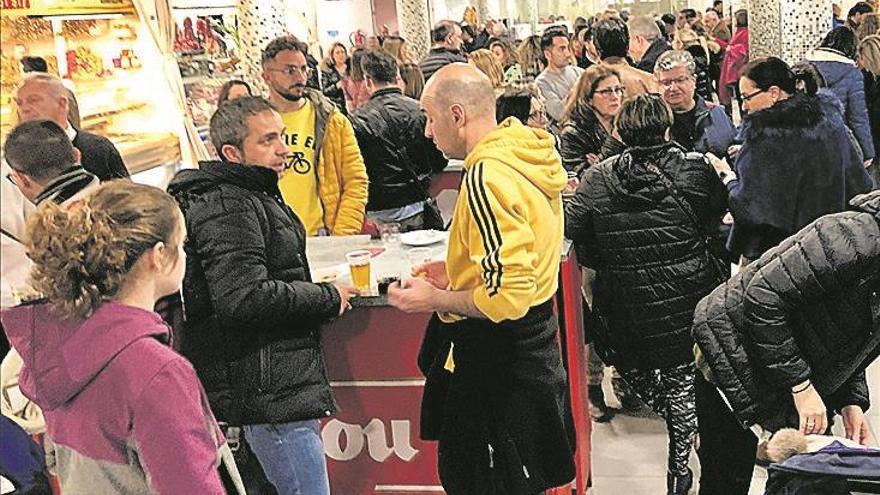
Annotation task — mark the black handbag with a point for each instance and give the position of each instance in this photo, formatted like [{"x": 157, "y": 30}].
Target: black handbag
[{"x": 597, "y": 334}]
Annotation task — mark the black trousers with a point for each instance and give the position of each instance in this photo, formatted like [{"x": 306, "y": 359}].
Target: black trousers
[{"x": 726, "y": 449}]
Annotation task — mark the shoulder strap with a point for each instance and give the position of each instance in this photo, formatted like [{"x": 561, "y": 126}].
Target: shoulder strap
[
  {"x": 9, "y": 235},
  {"x": 673, "y": 191}
]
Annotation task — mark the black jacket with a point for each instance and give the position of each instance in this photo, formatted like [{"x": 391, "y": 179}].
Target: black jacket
[
  {"x": 437, "y": 58},
  {"x": 390, "y": 130},
  {"x": 99, "y": 156},
  {"x": 872, "y": 101},
  {"x": 809, "y": 308},
  {"x": 581, "y": 135},
  {"x": 651, "y": 258},
  {"x": 252, "y": 315},
  {"x": 704, "y": 80},
  {"x": 658, "y": 47},
  {"x": 329, "y": 78}
]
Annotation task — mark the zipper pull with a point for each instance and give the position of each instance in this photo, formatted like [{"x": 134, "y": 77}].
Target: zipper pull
[{"x": 491, "y": 456}]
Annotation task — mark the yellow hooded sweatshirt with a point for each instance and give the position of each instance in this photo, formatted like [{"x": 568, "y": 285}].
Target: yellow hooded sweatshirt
[{"x": 505, "y": 241}]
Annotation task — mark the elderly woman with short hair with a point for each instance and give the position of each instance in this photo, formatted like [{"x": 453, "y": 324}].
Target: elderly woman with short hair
[{"x": 638, "y": 219}]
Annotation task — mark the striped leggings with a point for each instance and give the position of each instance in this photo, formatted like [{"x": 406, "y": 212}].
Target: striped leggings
[{"x": 670, "y": 393}]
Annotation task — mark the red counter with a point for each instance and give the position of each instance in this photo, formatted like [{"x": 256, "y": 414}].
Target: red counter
[{"x": 372, "y": 445}]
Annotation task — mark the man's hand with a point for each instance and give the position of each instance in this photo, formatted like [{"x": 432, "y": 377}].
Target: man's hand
[
  {"x": 413, "y": 295},
  {"x": 869, "y": 162},
  {"x": 733, "y": 150},
  {"x": 592, "y": 159},
  {"x": 855, "y": 425},
  {"x": 434, "y": 272},
  {"x": 345, "y": 294}
]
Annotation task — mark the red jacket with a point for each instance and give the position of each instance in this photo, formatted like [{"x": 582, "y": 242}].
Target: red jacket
[{"x": 735, "y": 58}]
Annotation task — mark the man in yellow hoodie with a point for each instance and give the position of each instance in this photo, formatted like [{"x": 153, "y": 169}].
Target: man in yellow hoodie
[
  {"x": 496, "y": 396},
  {"x": 325, "y": 181}
]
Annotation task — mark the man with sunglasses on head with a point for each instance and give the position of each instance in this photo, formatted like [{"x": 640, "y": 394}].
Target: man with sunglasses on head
[{"x": 324, "y": 181}]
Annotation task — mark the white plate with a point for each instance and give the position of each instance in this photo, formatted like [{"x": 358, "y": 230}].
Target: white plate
[{"x": 422, "y": 237}]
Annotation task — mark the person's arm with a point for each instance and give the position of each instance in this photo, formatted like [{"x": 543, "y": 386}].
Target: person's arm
[
  {"x": 579, "y": 222},
  {"x": 332, "y": 88},
  {"x": 554, "y": 103},
  {"x": 115, "y": 165},
  {"x": 232, "y": 249},
  {"x": 857, "y": 115},
  {"x": 176, "y": 445},
  {"x": 574, "y": 149},
  {"x": 854, "y": 392},
  {"x": 354, "y": 189}
]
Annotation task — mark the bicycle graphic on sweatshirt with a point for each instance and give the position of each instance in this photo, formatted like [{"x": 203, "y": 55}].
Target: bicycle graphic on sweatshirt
[{"x": 298, "y": 163}]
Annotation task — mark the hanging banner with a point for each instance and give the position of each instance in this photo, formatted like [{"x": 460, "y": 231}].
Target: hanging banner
[{"x": 64, "y": 7}]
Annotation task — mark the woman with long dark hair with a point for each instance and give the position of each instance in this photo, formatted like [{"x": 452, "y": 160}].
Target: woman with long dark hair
[
  {"x": 798, "y": 160},
  {"x": 333, "y": 74}
]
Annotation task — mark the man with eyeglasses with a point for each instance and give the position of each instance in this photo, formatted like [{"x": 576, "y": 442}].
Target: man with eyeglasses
[
  {"x": 324, "y": 181},
  {"x": 697, "y": 124}
]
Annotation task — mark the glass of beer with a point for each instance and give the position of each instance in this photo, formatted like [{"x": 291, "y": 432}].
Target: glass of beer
[{"x": 359, "y": 264}]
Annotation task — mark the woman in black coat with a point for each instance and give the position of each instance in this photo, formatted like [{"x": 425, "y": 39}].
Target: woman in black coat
[
  {"x": 798, "y": 160},
  {"x": 787, "y": 340},
  {"x": 332, "y": 74},
  {"x": 869, "y": 60},
  {"x": 589, "y": 117},
  {"x": 640, "y": 220}
]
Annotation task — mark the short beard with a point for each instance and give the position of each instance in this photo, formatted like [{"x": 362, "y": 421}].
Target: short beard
[{"x": 291, "y": 97}]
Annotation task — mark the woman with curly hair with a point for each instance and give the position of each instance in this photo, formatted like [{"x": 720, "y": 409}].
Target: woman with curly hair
[{"x": 98, "y": 360}]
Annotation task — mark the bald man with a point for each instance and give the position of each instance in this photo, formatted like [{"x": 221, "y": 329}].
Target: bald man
[
  {"x": 43, "y": 96},
  {"x": 496, "y": 393}
]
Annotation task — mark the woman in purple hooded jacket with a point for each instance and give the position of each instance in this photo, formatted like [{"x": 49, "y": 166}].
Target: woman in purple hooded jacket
[{"x": 125, "y": 413}]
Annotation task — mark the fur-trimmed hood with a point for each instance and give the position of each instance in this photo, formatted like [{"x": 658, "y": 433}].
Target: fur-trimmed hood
[{"x": 798, "y": 113}]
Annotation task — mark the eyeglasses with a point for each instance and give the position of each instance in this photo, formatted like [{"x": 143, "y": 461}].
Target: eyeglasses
[
  {"x": 756, "y": 93},
  {"x": 609, "y": 92},
  {"x": 11, "y": 179},
  {"x": 669, "y": 83},
  {"x": 292, "y": 69}
]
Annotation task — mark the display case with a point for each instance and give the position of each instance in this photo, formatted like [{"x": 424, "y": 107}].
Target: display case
[
  {"x": 105, "y": 55},
  {"x": 206, "y": 46}
]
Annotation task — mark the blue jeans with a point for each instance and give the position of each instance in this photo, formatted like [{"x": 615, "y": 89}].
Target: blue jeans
[{"x": 292, "y": 456}]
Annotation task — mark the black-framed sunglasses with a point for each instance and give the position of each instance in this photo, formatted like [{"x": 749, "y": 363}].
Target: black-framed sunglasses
[
  {"x": 292, "y": 69},
  {"x": 750, "y": 96}
]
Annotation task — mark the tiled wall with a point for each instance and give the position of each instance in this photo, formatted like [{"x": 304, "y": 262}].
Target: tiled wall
[
  {"x": 259, "y": 22},
  {"x": 412, "y": 19},
  {"x": 788, "y": 29}
]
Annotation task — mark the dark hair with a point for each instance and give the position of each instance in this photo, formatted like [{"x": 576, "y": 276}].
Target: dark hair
[
  {"x": 354, "y": 67},
  {"x": 688, "y": 14},
  {"x": 807, "y": 73},
  {"x": 34, "y": 64},
  {"x": 282, "y": 43},
  {"x": 39, "y": 149},
  {"x": 842, "y": 40},
  {"x": 227, "y": 87},
  {"x": 579, "y": 22},
  {"x": 643, "y": 120},
  {"x": 860, "y": 8},
  {"x": 513, "y": 103},
  {"x": 442, "y": 30},
  {"x": 742, "y": 18},
  {"x": 716, "y": 2},
  {"x": 551, "y": 33},
  {"x": 667, "y": 19},
  {"x": 469, "y": 30},
  {"x": 229, "y": 124},
  {"x": 380, "y": 66},
  {"x": 771, "y": 71},
  {"x": 611, "y": 37}
]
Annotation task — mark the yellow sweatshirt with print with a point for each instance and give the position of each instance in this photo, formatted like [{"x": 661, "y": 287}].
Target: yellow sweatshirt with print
[{"x": 505, "y": 241}]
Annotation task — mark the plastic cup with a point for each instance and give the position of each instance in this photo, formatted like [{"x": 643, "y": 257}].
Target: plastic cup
[{"x": 359, "y": 264}]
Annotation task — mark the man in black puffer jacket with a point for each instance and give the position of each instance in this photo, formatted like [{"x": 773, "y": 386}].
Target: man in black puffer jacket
[
  {"x": 253, "y": 316},
  {"x": 390, "y": 130},
  {"x": 640, "y": 220},
  {"x": 788, "y": 338}
]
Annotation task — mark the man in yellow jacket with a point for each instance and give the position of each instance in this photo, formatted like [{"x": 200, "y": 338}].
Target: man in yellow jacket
[
  {"x": 496, "y": 396},
  {"x": 325, "y": 182}
]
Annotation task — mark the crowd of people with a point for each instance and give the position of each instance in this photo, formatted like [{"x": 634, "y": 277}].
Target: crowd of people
[{"x": 655, "y": 144}]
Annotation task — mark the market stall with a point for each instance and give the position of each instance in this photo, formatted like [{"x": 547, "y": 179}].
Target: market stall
[
  {"x": 373, "y": 444},
  {"x": 105, "y": 54}
]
